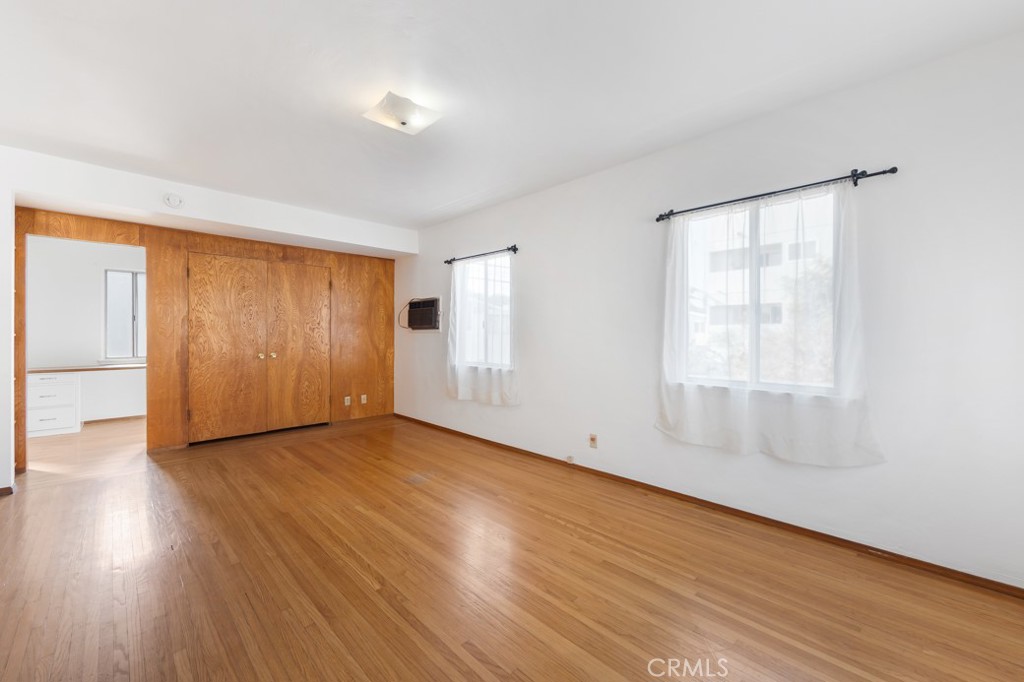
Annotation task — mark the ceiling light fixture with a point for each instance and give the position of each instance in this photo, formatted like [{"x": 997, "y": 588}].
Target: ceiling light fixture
[{"x": 402, "y": 114}]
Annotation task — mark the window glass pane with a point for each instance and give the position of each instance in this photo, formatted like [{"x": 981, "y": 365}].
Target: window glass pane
[
  {"x": 796, "y": 295},
  {"x": 803, "y": 250},
  {"x": 140, "y": 314},
  {"x": 119, "y": 314},
  {"x": 718, "y": 260},
  {"x": 771, "y": 254},
  {"x": 731, "y": 259},
  {"x": 484, "y": 290}
]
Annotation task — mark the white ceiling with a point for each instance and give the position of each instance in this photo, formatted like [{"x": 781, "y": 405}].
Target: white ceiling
[{"x": 264, "y": 97}]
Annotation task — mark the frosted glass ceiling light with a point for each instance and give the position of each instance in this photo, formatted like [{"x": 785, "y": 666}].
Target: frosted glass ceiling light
[{"x": 402, "y": 114}]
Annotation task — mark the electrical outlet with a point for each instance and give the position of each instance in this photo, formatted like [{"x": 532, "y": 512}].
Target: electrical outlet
[
  {"x": 362, "y": 399},
  {"x": 348, "y": 401},
  {"x": 593, "y": 440}
]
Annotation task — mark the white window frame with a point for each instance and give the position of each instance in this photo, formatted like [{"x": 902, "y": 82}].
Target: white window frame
[
  {"x": 753, "y": 208},
  {"x": 136, "y": 332}
]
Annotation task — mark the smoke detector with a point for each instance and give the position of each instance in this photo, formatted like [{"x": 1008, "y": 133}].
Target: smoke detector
[
  {"x": 174, "y": 201},
  {"x": 401, "y": 113}
]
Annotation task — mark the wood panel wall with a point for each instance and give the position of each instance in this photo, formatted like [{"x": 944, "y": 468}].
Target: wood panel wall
[
  {"x": 363, "y": 336},
  {"x": 362, "y": 317},
  {"x": 166, "y": 337},
  {"x": 24, "y": 222}
]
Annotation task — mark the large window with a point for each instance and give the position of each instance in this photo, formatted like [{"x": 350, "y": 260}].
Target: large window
[
  {"x": 752, "y": 317},
  {"x": 483, "y": 303},
  {"x": 480, "y": 350},
  {"x": 125, "y": 323},
  {"x": 763, "y": 348}
]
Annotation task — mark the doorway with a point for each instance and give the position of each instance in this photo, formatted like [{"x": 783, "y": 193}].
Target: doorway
[{"x": 85, "y": 356}]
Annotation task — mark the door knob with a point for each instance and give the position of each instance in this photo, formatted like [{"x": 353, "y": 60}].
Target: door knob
[
  {"x": 260, "y": 356},
  {"x": 273, "y": 355}
]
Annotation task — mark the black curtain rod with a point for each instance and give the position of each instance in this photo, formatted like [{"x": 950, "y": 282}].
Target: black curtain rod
[
  {"x": 513, "y": 249},
  {"x": 855, "y": 175}
]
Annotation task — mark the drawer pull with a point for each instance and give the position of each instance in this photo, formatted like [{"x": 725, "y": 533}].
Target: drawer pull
[
  {"x": 49, "y": 419},
  {"x": 49, "y": 395}
]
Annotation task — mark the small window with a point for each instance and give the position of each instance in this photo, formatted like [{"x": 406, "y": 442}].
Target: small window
[
  {"x": 125, "y": 324},
  {"x": 483, "y": 305}
]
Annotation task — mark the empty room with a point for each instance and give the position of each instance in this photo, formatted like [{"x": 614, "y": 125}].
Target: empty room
[{"x": 601, "y": 341}]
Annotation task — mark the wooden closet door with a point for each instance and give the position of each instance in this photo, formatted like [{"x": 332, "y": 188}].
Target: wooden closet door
[
  {"x": 227, "y": 334},
  {"x": 299, "y": 345}
]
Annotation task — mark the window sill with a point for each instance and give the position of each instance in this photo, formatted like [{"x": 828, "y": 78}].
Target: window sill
[{"x": 770, "y": 389}]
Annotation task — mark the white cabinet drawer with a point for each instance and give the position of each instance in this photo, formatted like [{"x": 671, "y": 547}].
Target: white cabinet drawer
[
  {"x": 43, "y": 379},
  {"x": 46, "y": 418},
  {"x": 52, "y": 395},
  {"x": 51, "y": 402}
]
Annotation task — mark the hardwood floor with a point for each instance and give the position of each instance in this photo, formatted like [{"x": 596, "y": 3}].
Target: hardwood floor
[
  {"x": 101, "y": 449},
  {"x": 385, "y": 549}
]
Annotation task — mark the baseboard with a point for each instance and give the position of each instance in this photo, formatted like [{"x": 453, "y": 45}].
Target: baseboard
[
  {"x": 357, "y": 421},
  {"x": 369, "y": 419},
  {"x": 166, "y": 448},
  {"x": 868, "y": 550},
  {"x": 9, "y": 490},
  {"x": 114, "y": 419}
]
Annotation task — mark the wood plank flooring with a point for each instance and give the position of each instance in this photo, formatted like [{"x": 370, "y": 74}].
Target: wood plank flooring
[
  {"x": 388, "y": 550},
  {"x": 102, "y": 449}
]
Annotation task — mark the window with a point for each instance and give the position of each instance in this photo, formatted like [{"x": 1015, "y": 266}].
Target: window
[
  {"x": 125, "y": 324},
  {"x": 800, "y": 250},
  {"x": 770, "y": 254},
  {"x": 737, "y": 259},
  {"x": 483, "y": 300},
  {"x": 768, "y": 357},
  {"x": 770, "y": 322},
  {"x": 728, "y": 259},
  {"x": 480, "y": 351},
  {"x": 771, "y": 313}
]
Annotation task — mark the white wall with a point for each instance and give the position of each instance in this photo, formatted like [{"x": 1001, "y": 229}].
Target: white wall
[
  {"x": 6, "y": 336},
  {"x": 941, "y": 245},
  {"x": 42, "y": 181},
  {"x": 64, "y": 298}
]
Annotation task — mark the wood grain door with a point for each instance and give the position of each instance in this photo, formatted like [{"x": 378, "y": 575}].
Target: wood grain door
[
  {"x": 227, "y": 345},
  {"x": 298, "y": 345}
]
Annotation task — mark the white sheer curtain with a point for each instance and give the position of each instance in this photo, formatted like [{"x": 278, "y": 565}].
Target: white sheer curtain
[
  {"x": 480, "y": 350},
  {"x": 763, "y": 343}
]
